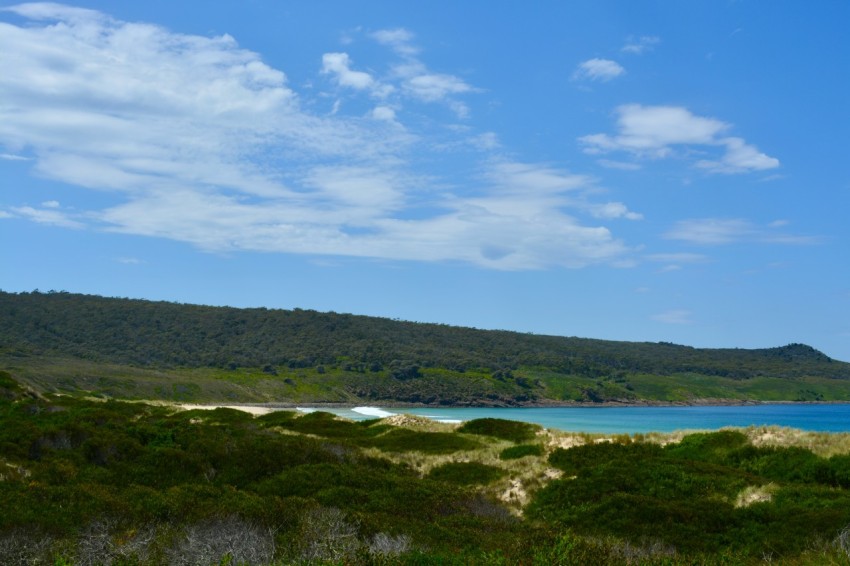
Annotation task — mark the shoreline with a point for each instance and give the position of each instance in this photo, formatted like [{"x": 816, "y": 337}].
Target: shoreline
[
  {"x": 271, "y": 405},
  {"x": 807, "y": 417}
]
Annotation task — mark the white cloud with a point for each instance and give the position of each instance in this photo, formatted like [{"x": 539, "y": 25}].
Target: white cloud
[
  {"x": 50, "y": 204},
  {"x": 675, "y": 316},
  {"x": 739, "y": 157},
  {"x": 383, "y": 113},
  {"x": 711, "y": 231},
  {"x": 357, "y": 188},
  {"x": 399, "y": 39},
  {"x": 433, "y": 87},
  {"x": 340, "y": 65},
  {"x": 614, "y": 210},
  {"x": 718, "y": 231},
  {"x": 52, "y": 11},
  {"x": 535, "y": 179},
  {"x": 198, "y": 140},
  {"x": 641, "y": 44},
  {"x": 13, "y": 157},
  {"x": 598, "y": 70},
  {"x": 654, "y": 131},
  {"x": 47, "y": 216},
  {"x": 416, "y": 80},
  {"x": 4, "y": 214}
]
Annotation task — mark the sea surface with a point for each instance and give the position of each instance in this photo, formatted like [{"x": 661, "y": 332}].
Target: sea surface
[{"x": 615, "y": 420}]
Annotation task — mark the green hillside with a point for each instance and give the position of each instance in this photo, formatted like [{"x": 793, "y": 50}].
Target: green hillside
[{"x": 141, "y": 349}]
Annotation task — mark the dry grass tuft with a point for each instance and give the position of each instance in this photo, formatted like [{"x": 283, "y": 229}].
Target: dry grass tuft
[
  {"x": 824, "y": 444},
  {"x": 418, "y": 423},
  {"x": 755, "y": 494}
]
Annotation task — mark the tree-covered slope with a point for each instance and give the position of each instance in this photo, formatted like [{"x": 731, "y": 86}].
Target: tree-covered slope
[
  {"x": 169, "y": 334},
  {"x": 360, "y": 357}
]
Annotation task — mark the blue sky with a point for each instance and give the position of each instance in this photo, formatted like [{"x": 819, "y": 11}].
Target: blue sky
[{"x": 643, "y": 171}]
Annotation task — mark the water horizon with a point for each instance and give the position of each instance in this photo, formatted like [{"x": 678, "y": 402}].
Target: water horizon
[{"x": 831, "y": 417}]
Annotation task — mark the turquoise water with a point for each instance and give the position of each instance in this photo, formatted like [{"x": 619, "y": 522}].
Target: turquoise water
[{"x": 828, "y": 418}]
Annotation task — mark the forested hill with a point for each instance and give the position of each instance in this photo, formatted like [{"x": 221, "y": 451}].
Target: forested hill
[{"x": 168, "y": 335}]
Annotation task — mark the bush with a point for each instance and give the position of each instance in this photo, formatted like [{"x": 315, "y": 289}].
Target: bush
[
  {"x": 515, "y": 431},
  {"x": 404, "y": 440},
  {"x": 521, "y": 451},
  {"x": 709, "y": 447},
  {"x": 276, "y": 418}
]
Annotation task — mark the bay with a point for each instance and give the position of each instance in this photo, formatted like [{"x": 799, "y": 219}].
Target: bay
[{"x": 630, "y": 420}]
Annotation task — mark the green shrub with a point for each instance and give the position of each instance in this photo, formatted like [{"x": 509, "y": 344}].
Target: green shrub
[
  {"x": 708, "y": 447},
  {"x": 467, "y": 473},
  {"x": 405, "y": 440},
  {"x": 783, "y": 464},
  {"x": 515, "y": 431},
  {"x": 579, "y": 458},
  {"x": 520, "y": 451},
  {"x": 329, "y": 425},
  {"x": 276, "y": 418}
]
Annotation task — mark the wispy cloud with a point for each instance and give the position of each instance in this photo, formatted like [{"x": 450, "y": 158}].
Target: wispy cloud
[
  {"x": 48, "y": 216},
  {"x": 200, "y": 141},
  {"x": 400, "y": 39},
  {"x": 598, "y": 70},
  {"x": 718, "y": 231},
  {"x": 415, "y": 79},
  {"x": 655, "y": 131},
  {"x": 13, "y": 157},
  {"x": 640, "y": 45}
]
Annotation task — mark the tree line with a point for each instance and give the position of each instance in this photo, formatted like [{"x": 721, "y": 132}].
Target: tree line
[{"x": 162, "y": 334}]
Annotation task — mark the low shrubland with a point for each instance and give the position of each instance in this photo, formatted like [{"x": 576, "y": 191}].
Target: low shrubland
[{"x": 107, "y": 482}]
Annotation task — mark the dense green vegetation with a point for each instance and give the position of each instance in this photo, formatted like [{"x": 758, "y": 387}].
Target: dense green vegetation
[
  {"x": 135, "y": 349},
  {"x": 514, "y": 431},
  {"x": 709, "y": 494},
  {"x": 109, "y": 482},
  {"x": 521, "y": 451}
]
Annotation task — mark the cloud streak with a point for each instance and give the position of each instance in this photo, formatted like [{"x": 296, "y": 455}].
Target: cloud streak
[
  {"x": 720, "y": 231},
  {"x": 198, "y": 140},
  {"x": 640, "y": 45},
  {"x": 598, "y": 70}
]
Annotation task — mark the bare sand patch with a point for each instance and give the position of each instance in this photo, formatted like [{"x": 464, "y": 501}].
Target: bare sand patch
[
  {"x": 256, "y": 411},
  {"x": 565, "y": 442}
]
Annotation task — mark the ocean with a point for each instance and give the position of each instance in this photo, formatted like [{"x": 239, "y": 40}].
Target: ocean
[{"x": 617, "y": 420}]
